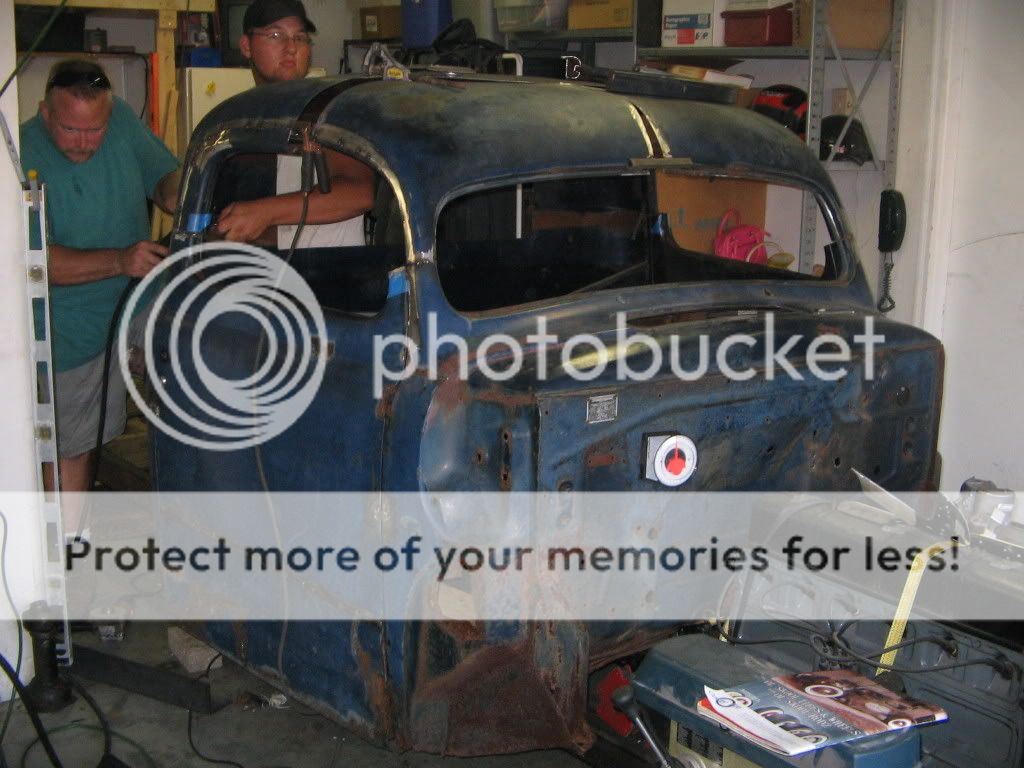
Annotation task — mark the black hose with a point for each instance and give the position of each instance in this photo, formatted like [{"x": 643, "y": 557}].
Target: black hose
[
  {"x": 33, "y": 715},
  {"x": 108, "y": 736},
  {"x": 105, "y": 386}
]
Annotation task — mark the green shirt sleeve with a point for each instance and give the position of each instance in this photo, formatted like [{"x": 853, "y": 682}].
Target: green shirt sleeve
[{"x": 155, "y": 160}]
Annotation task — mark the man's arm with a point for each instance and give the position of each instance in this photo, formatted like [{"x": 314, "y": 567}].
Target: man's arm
[
  {"x": 72, "y": 266},
  {"x": 165, "y": 194},
  {"x": 351, "y": 195}
]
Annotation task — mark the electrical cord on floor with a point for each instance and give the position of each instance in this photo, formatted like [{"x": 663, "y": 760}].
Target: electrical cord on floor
[
  {"x": 1003, "y": 667},
  {"x": 191, "y": 741},
  {"x": 43, "y": 738},
  {"x": 19, "y": 628},
  {"x": 89, "y": 727},
  {"x": 108, "y": 739},
  {"x": 821, "y": 645}
]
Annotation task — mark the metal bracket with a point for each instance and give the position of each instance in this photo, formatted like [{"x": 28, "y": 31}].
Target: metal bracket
[
  {"x": 153, "y": 683},
  {"x": 380, "y": 62},
  {"x": 44, "y": 422}
]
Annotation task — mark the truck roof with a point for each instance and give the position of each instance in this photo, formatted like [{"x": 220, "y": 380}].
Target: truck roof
[{"x": 438, "y": 134}]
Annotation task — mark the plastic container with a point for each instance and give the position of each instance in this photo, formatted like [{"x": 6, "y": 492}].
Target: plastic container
[
  {"x": 423, "y": 20},
  {"x": 754, "y": 28},
  {"x": 521, "y": 15}
]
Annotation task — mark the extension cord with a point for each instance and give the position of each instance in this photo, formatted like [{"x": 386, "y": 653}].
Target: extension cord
[{"x": 109, "y": 761}]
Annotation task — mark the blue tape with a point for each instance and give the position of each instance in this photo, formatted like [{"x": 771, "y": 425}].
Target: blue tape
[
  {"x": 398, "y": 283},
  {"x": 660, "y": 227},
  {"x": 198, "y": 222}
]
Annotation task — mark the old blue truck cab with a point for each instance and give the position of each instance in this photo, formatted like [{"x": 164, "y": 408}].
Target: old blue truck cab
[{"x": 519, "y": 208}]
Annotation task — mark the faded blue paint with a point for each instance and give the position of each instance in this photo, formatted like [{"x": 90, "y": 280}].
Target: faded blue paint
[{"x": 465, "y": 689}]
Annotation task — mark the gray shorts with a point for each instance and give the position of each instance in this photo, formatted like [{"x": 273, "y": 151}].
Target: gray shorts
[{"x": 77, "y": 400}]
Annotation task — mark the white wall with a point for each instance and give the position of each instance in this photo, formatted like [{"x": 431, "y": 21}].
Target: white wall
[
  {"x": 973, "y": 295},
  {"x": 333, "y": 21},
  {"x": 23, "y": 564}
]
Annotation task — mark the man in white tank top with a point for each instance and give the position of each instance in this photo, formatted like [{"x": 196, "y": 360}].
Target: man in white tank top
[{"x": 278, "y": 43}]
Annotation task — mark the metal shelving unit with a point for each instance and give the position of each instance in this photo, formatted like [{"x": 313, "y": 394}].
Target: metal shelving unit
[
  {"x": 741, "y": 54},
  {"x": 616, "y": 35},
  {"x": 823, "y": 48}
]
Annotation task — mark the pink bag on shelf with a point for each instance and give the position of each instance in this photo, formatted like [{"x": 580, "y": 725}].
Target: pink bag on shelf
[{"x": 743, "y": 242}]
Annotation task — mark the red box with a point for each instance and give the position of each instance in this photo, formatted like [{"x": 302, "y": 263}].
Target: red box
[{"x": 752, "y": 28}]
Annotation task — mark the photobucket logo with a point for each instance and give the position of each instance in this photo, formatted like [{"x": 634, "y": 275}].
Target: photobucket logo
[
  {"x": 634, "y": 356},
  {"x": 290, "y": 356}
]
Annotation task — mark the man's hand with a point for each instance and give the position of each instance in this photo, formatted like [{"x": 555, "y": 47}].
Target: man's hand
[
  {"x": 245, "y": 221},
  {"x": 137, "y": 260}
]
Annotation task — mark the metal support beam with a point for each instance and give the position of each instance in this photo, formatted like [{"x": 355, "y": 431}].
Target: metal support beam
[
  {"x": 815, "y": 110},
  {"x": 193, "y": 6},
  {"x": 153, "y": 683}
]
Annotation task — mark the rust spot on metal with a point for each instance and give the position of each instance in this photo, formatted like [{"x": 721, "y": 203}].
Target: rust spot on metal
[
  {"x": 451, "y": 394},
  {"x": 600, "y": 460},
  {"x": 604, "y": 453},
  {"x": 499, "y": 701},
  {"x": 633, "y": 640},
  {"x": 464, "y": 631},
  {"x": 504, "y": 397},
  {"x": 378, "y": 694},
  {"x": 241, "y": 633},
  {"x": 386, "y": 404}
]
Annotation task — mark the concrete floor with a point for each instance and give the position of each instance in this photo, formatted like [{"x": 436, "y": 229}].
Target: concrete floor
[{"x": 245, "y": 732}]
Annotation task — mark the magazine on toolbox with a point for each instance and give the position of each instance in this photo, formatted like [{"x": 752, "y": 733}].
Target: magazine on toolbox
[{"x": 793, "y": 714}]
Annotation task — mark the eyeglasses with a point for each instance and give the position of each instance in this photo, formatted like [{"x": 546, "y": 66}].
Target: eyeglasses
[
  {"x": 281, "y": 38},
  {"x": 71, "y": 78}
]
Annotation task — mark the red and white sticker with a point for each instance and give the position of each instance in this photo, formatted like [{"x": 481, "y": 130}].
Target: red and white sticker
[{"x": 671, "y": 460}]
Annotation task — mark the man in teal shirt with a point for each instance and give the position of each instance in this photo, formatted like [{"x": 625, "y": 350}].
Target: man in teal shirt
[{"x": 99, "y": 165}]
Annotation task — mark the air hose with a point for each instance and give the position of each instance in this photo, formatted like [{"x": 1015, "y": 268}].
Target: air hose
[{"x": 105, "y": 386}]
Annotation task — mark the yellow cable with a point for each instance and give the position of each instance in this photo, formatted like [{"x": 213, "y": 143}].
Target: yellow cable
[{"x": 906, "y": 603}]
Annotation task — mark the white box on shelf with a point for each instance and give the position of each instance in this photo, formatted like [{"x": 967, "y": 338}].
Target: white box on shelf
[{"x": 688, "y": 23}]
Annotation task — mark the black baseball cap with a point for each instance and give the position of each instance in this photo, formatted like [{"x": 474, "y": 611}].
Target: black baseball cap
[{"x": 263, "y": 13}]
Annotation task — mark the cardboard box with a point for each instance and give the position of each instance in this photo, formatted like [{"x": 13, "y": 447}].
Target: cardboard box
[
  {"x": 695, "y": 206},
  {"x": 600, "y": 14},
  {"x": 380, "y": 22},
  {"x": 756, "y": 28},
  {"x": 686, "y": 23},
  {"x": 855, "y": 23}
]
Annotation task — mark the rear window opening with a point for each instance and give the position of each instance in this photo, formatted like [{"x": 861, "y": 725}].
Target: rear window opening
[{"x": 514, "y": 245}]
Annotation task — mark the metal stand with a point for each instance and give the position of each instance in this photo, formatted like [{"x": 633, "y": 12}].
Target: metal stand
[
  {"x": 43, "y": 417},
  {"x": 153, "y": 683},
  {"x": 48, "y": 691}
]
